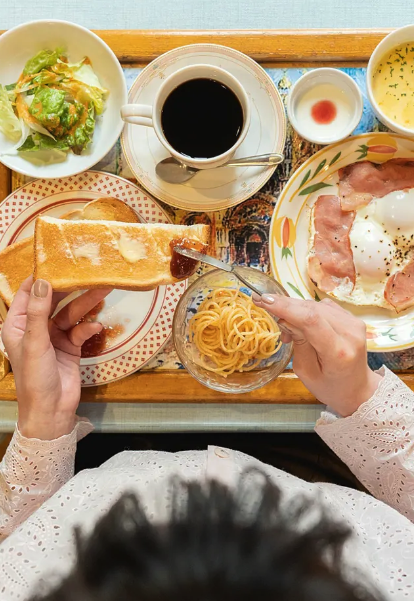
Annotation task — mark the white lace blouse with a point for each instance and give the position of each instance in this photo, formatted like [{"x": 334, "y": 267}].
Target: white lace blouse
[{"x": 41, "y": 501}]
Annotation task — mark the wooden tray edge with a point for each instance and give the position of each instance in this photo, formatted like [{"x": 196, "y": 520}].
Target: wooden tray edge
[
  {"x": 265, "y": 46},
  {"x": 270, "y": 46},
  {"x": 179, "y": 387},
  {"x": 165, "y": 386}
]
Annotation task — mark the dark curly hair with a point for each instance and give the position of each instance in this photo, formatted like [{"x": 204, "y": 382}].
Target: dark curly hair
[{"x": 217, "y": 545}]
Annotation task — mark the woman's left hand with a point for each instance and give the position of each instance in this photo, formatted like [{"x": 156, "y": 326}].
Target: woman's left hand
[
  {"x": 330, "y": 350},
  {"x": 45, "y": 356}
]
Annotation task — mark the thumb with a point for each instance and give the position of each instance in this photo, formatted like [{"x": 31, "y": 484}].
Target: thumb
[{"x": 36, "y": 337}]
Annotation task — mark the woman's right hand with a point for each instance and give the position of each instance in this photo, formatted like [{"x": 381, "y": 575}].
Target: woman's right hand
[
  {"x": 330, "y": 352},
  {"x": 45, "y": 355}
]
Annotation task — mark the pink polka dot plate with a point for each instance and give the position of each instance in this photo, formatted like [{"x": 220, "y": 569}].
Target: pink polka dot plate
[{"x": 142, "y": 321}]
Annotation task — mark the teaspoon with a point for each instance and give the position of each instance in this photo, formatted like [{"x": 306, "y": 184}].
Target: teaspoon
[{"x": 172, "y": 171}]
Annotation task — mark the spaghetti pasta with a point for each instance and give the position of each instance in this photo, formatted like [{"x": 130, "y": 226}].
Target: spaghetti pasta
[{"x": 231, "y": 333}]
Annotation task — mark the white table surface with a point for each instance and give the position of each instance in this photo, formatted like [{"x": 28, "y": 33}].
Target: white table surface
[{"x": 212, "y": 14}]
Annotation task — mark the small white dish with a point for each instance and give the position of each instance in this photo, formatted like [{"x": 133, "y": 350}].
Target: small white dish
[
  {"x": 340, "y": 95},
  {"x": 399, "y": 36},
  {"x": 212, "y": 189},
  {"x": 24, "y": 41}
]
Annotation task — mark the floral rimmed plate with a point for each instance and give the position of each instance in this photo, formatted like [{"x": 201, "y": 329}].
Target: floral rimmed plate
[
  {"x": 289, "y": 231},
  {"x": 143, "y": 320}
]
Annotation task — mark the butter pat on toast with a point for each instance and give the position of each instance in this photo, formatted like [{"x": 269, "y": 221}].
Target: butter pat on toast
[
  {"x": 17, "y": 260},
  {"x": 74, "y": 255}
]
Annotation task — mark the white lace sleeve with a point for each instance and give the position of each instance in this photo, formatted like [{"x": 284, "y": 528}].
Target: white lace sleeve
[
  {"x": 377, "y": 442},
  {"x": 31, "y": 471}
]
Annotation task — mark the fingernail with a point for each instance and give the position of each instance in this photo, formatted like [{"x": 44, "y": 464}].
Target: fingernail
[
  {"x": 40, "y": 288},
  {"x": 268, "y": 299}
]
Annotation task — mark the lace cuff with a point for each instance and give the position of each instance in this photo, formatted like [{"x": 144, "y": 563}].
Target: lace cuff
[
  {"x": 377, "y": 442},
  {"x": 81, "y": 429},
  {"x": 329, "y": 416},
  {"x": 32, "y": 470}
]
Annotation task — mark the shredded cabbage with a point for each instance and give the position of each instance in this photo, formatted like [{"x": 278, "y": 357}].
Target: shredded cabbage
[
  {"x": 87, "y": 75},
  {"x": 81, "y": 71},
  {"x": 36, "y": 80},
  {"x": 82, "y": 81},
  {"x": 86, "y": 94},
  {"x": 10, "y": 124},
  {"x": 30, "y": 121}
]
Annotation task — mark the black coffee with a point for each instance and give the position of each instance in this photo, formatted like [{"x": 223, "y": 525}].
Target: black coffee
[{"x": 202, "y": 118}]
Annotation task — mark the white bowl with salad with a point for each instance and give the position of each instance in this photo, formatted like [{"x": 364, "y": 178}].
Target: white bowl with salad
[{"x": 61, "y": 91}]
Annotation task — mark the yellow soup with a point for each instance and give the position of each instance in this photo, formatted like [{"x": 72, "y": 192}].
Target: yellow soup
[{"x": 393, "y": 84}]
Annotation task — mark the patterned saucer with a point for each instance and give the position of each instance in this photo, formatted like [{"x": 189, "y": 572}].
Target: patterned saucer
[{"x": 213, "y": 189}]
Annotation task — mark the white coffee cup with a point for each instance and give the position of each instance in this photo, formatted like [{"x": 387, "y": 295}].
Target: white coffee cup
[{"x": 150, "y": 116}]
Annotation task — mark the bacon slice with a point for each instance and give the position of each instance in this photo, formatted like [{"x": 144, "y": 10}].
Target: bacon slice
[
  {"x": 333, "y": 261},
  {"x": 360, "y": 182},
  {"x": 399, "y": 290}
]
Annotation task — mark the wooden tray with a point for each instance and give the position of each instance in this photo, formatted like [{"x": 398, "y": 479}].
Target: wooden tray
[{"x": 284, "y": 48}]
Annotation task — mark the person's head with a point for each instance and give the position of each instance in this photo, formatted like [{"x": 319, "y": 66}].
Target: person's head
[{"x": 217, "y": 545}]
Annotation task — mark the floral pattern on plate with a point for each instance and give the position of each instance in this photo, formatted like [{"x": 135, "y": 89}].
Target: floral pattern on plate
[{"x": 289, "y": 230}]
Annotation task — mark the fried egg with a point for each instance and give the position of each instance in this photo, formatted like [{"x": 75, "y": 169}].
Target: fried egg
[{"x": 382, "y": 243}]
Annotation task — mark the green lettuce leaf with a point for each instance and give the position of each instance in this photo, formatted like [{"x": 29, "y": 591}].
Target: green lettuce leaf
[
  {"x": 38, "y": 79},
  {"x": 87, "y": 75},
  {"x": 81, "y": 71},
  {"x": 38, "y": 141},
  {"x": 50, "y": 107},
  {"x": 23, "y": 104},
  {"x": 76, "y": 141},
  {"x": 82, "y": 83},
  {"x": 72, "y": 112},
  {"x": 42, "y": 60},
  {"x": 82, "y": 135},
  {"x": 84, "y": 94},
  {"x": 10, "y": 124},
  {"x": 47, "y": 107},
  {"x": 92, "y": 95}
]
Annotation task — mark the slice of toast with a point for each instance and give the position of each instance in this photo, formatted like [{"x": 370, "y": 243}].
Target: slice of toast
[
  {"x": 105, "y": 208},
  {"x": 17, "y": 260},
  {"x": 76, "y": 255},
  {"x": 16, "y": 264}
]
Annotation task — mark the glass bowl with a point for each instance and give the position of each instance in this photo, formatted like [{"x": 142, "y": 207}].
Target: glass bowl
[{"x": 238, "y": 382}]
